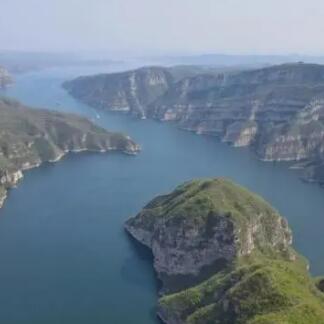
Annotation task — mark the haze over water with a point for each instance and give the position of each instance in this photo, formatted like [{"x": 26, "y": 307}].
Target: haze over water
[{"x": 64, "y": 255}]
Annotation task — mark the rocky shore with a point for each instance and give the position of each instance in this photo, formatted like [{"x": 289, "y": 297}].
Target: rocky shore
[
  {"x": 30, "y": 137},
  {"x": 224, "y": 255},
  {"x": 277, "y": 111}
]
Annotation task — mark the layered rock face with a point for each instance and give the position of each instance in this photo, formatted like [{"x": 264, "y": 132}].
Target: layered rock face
[
  {"x": 278, "y": 110},
  {"x": 29, "y": 137},
  {"x": 131, "y": 91},
  {"x": 224, "y": 256},
  {"x": 5, "y": 78},
  {"x": 200, "y": 225}
]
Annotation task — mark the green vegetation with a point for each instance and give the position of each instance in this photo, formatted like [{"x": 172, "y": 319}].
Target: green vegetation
[
  {"x": 257, "y": 290},
  {"x": 32, "y": 136},
  {"x": 29, "y": 137},
  {"x": 197, "y": 199},
  {"x": 267, "y": 282},
  {"x": 202, "y": 201}
]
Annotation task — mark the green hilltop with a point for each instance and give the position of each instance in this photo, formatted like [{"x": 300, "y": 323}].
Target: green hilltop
[{"x": 264, "y": 282}]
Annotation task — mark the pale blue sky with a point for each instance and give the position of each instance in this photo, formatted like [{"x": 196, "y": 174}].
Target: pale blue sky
[{"x": 228, "y": 26}]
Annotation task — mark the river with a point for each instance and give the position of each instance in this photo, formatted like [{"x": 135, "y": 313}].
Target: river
[{"x": 64, "y": 257}]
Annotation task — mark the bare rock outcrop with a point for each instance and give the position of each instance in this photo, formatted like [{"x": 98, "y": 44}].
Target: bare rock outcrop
[
  {"x": 203, "y": 226},
  {"x": 278, "y": 111},
  {"x": 224, "y": 255}
]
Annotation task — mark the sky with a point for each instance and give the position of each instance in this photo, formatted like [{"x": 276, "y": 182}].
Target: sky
[{"x": 164, "y": 26}]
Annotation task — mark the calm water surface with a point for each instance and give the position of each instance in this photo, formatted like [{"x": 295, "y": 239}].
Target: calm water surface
[{"x": 64, "y": 256}]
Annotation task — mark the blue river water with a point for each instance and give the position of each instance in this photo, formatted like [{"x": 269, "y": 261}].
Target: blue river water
[{"x": 64, "y": 257}]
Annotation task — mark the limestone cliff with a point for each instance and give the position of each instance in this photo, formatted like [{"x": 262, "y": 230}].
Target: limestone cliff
[
  {"x": 276, "y": 110},
  {"x": 129, "y": 92},
  {"x": 29, "y": 137},
  {"x": 224, "y": 255},
  {"x": 206, "y": 224}
]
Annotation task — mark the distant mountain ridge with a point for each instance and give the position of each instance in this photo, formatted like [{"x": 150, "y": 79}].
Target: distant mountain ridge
[
  {"x": 218, "y": 59},
  {"x": 20, "y": 62},
  {"x": 278, "y": 110}
]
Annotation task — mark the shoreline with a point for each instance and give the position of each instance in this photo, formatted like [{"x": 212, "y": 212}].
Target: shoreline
[
  {"x": 18, "y": 175},
  {"x": 296, "y": 164}
]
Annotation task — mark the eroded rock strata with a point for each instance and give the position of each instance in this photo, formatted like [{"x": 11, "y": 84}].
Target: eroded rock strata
[
  {"x": 254, "y": 275},
  {"x": 277, "y": 110},
  {"x": 29, "y": 137}
]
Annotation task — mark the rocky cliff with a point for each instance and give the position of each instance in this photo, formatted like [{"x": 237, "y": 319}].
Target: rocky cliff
[
  {"x": 276, "y": 110},
  {"x": 5, "y": 78},
  {"x": 224, "y": 255},
  {"x": 29, "y": 137},
  {"x": 130, "y": 92}
]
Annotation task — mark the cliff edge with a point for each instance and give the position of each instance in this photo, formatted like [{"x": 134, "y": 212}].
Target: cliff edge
[{"x": 224, "y": 255}]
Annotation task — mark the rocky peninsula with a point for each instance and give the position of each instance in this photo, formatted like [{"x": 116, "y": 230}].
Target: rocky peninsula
[
  {"x": 278, "y": 110},
  {"x": 29, "y": 137},
  {"x": 224, "y": 255}
]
